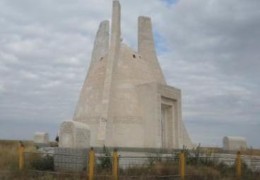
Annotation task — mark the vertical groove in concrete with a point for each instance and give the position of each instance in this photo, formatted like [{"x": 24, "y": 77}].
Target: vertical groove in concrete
[
  {"x": 146, "y": 47},
  {"x": 110, "y": 69}
]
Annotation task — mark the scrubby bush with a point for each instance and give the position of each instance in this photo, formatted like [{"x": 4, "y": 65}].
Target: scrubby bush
[
  {"x": 43, "y": 163},
  {"x": 105, "y": 162}
]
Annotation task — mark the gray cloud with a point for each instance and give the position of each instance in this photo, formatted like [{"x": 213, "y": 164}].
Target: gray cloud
[
  {"x": 215, "y": 60},
  {"x": 209, "y": 49}
]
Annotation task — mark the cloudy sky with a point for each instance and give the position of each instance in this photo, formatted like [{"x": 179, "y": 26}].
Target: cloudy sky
[{"x": 208, "y": 48}]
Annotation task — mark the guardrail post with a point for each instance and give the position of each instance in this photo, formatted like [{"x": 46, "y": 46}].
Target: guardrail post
[
  {"x": 182, "y": 165},
  {"x": 91, "y": 164},
  {"x": 115, "y": 165},
  {"x": 238, "y": 165},
  {"x": 21, "y": 156}
]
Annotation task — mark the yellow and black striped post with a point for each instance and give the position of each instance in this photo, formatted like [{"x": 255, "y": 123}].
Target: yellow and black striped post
[
  {"x": 115, "y": 165},
  {"x": 21, "y": 156},
  {"x": 91, "y": 164},
  {"x": 238, "y": 165},
  {"x": 182, "y": 165}
]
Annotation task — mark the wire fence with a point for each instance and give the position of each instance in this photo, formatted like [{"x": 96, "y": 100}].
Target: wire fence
[{"x": 88, "y": 164}]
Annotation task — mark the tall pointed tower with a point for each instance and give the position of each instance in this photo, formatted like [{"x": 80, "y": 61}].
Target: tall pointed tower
[{"x": 125, "y": 100}]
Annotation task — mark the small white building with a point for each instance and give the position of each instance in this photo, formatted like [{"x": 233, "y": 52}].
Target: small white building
[
  {"x": 41, "y": 138},
  {"x": 234, "y": 143}
]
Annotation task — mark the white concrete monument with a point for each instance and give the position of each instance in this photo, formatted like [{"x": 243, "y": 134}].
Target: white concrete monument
[
  {"x": 125, "y": 99},
  {"x": 41, "y": 138},
  {"x": 232, "y": 143}
]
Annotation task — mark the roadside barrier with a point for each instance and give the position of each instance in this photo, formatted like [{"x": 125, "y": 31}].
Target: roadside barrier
[{"x": 178, "y": 164}]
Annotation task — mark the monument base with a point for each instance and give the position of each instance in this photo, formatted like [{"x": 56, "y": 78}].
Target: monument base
[{"x": 70, "y": 159}]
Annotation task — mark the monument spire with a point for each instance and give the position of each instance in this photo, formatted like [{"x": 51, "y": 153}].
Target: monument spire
[
  {"x": 116, "y": 24},
  {"x": 146, "y": 47},
  {"x": 105, "y": 121}
]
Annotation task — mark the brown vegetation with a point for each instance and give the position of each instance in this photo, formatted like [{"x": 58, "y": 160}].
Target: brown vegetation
[
  {"x": 196, "y": 169},
  {"x": 9, "y": 153},
  {"x": 250, "y": 151}
]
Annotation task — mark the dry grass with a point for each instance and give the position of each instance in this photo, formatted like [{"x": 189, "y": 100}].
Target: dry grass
[
  {"x": 253, "y": 152},
  {"x": 250, "y": 151},
  {"x": 9, "y": 153},
  {"x": 9, "y": 163},
  {"x": 162, "y": 170}
]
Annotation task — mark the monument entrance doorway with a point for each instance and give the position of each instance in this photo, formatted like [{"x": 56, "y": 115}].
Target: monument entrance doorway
[{"x": 167, "y": 126}]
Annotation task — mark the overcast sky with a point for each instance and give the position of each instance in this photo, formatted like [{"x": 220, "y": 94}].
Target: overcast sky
[{"x": 208, "y": 48}]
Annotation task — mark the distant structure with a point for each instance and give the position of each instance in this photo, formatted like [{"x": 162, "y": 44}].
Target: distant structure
[
  {"x": 41, "y": 138},
  {"x": 125, "y": 100},
  {"x": 234, "y": 143}
]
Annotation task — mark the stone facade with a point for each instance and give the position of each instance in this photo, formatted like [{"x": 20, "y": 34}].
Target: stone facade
[{"x": 125, "y": 100}]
